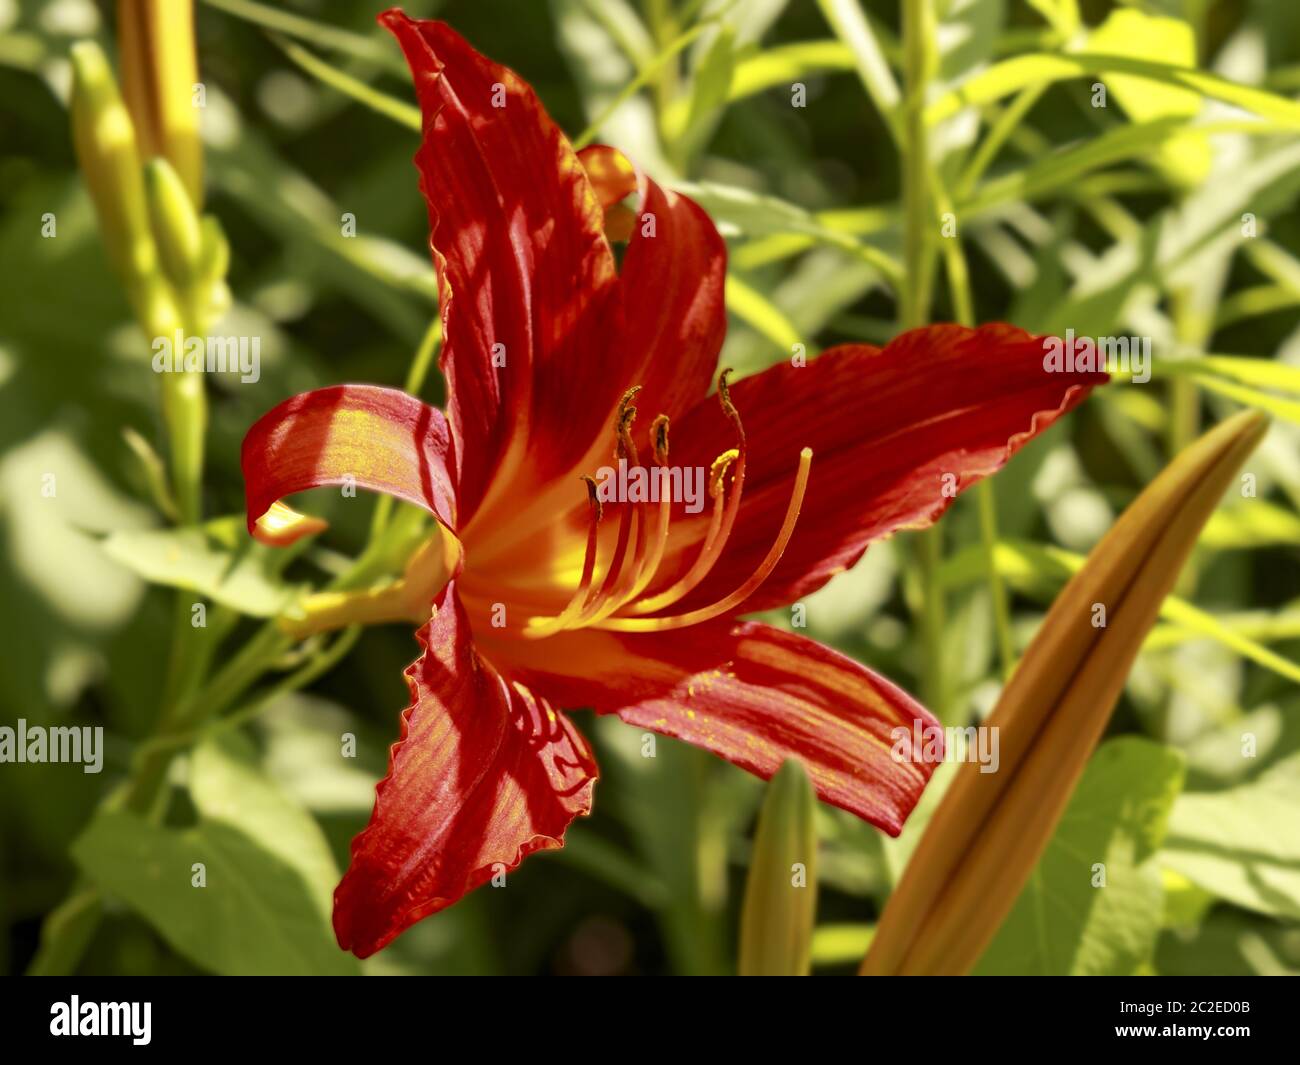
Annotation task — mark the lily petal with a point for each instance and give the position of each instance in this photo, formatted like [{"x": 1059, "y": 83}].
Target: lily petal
[
  {"x": 376, "y": 438},
  {"x": 938, "y": 408},
  {"x": 666, "y": 339},
  {"x": 483, "y": 775},
  {"x": 526, "y": 276},
  {"x": 674, "y": 316},
  {"x": 611, "y": 175},
  {"x": 750, "y": 693}
]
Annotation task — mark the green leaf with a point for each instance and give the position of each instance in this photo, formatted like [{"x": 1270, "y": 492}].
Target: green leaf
[
  {"x": 841, "y": 944},
  {"x": 217, "y": 560},
  {"x": 228, "y": 787},
  {"x": 1038, "y": 570},
  {"x": 1288, "y": 409},
  {"x": 269, "y": 874},
  {"x": 1126, "y": 32},
  {"x": 1064, "y": 167},
  {"x": 757, "y": 311},
  {"x": 1062, "y": 15},
  {"x": 1259, "y": 524},
  {"x": 322, "y": 34},
  {"x": 740, "y": 212},
  {"x": 709, "y": 92},
  {"x": 1263, "y": 373},
  {"x": 1012, "y": 75},
  {"x": 399, "y": 111},
  {"x": 850, "y": 25},
  {"x": 1243, "y": 844},
  {"x": 757, "y": 71},
  {"x": 1062, "y": 924},
  {"x": 255, "y": 917},
  {"x": 1230, "y": 943}
]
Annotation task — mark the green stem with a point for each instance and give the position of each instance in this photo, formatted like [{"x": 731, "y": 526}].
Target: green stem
[
  {"x": 914, "y": 305},
  {"x": 985, "y": 492},
  {"x": 68, "y": 928},
  {"x": 987, "y": 497}
]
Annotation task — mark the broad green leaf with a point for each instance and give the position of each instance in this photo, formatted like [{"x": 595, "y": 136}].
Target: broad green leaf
[
  {"x": 1067, "y": 921},
  {"x": 1128, "y": 32},
  {"x": 269, "y": 872},
  {"x": 217, "y": 560},
  {"x": 1230, "y": 942},
  {"x": 1243, "y": 844},
  {"x": 1185, "y": 904},
  {"x": 228, "y": 787},
  {"x": 255, "y": 916}
]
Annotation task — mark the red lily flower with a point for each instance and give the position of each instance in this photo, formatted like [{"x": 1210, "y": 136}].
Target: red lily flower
[{"x": 554, "y": 597}]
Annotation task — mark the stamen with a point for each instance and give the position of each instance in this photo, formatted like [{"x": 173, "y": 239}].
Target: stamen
[
  {"x": 713, "y": 545},
  {"x": 659, "y": 434},
  {"x": 611, "y": 595},
  {"x": 624, "y": 447},
  {"x": 549, "y": 626},
  {"x": 730, "y": 602}
]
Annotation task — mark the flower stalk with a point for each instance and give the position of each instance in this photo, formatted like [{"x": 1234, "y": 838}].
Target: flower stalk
[
  {"x": 990, "y": 830},
  {"x": 776, "y": 923}
]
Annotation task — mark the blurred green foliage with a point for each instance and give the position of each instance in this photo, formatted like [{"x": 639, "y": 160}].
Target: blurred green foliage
[{"x": 1124, "y": 219}]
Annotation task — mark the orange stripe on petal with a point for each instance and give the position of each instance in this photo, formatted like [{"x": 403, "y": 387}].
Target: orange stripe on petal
[
  {"x": 374, "y": 438},
  {"x": 747, "y": 692},
  {"x": 484, "y": 774}
]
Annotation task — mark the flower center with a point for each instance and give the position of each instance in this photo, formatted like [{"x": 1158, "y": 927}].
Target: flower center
[{"x": 616, "y": 603}]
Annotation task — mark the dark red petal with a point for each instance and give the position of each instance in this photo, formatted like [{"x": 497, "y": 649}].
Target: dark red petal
[
  {"x": 674, "y": 317},
  {"x": 376, "y": 438},
  {"x": 750, "y": 693},
  {"x": 524, "y": 267},
  {"x": 885, "y": 427},
  {"x": 484, "y": 773}
]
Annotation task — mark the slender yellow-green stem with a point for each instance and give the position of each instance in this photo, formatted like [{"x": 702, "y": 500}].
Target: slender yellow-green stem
[
  {"x": 985, "y": 492},
  {"x": 914, "y": 302}
]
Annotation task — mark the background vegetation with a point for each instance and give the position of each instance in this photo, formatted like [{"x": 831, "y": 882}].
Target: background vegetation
[{"x": 1123, "y": 219}]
